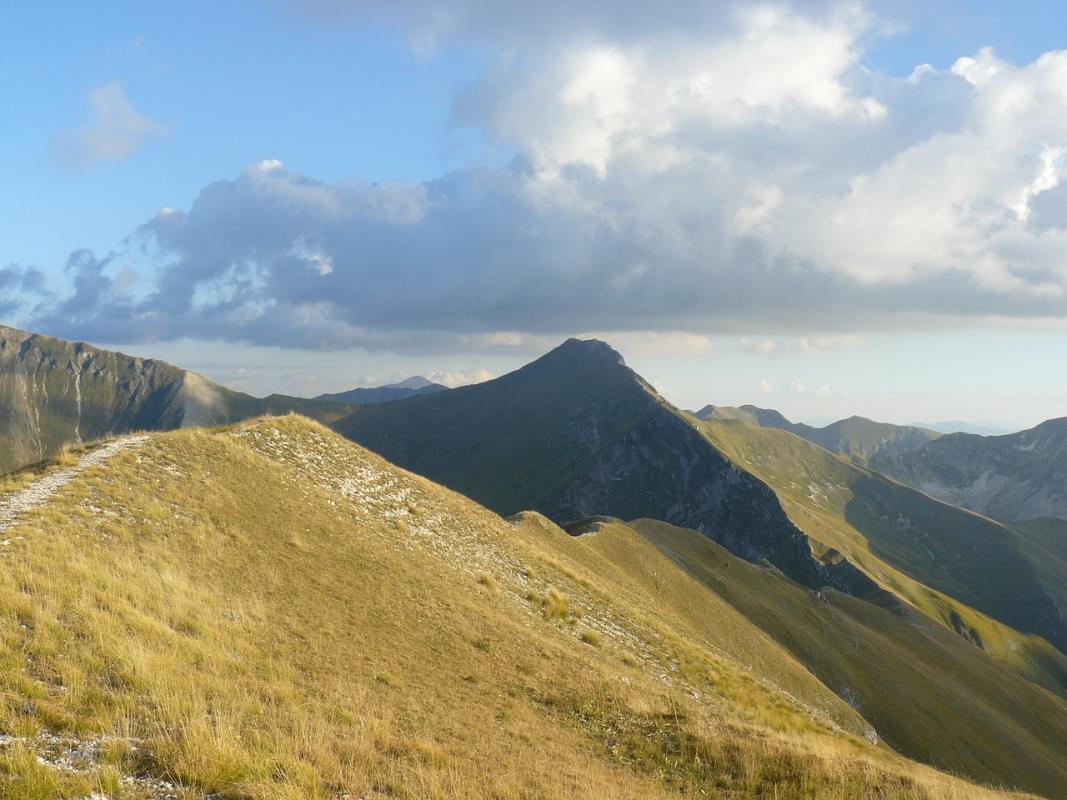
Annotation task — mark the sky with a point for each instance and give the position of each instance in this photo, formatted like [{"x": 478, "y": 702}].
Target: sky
[{"x": 823, "y": 207}]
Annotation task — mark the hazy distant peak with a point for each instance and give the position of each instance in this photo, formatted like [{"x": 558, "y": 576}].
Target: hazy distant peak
[
  {"x": 414, "y": 382},
  {"x": 365, "y": 395},
  {"x": 753, "y": 415},
  {"x": 962, "y": 426}
]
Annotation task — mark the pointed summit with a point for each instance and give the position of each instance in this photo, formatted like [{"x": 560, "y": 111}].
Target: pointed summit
[
  {"x": 587, "y": 348},
  {"x": 575, "y": 353},
  {"x": 414, "y": 382}
]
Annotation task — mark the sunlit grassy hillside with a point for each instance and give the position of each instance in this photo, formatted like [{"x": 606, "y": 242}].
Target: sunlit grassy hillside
[
  {"x": 948, "y": 562},
  {"x": 928, "y": 692},
  {"x": 270, "y": 611}
]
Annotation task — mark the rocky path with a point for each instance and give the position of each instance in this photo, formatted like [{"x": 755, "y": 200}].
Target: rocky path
[
  {"x": 25, "y": 500},
  {"x": 72, "y": 754}
]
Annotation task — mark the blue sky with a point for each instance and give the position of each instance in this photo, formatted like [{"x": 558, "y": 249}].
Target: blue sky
[
  {"x": 232, "y": 87},
  {"x": 754, "y": 202}
]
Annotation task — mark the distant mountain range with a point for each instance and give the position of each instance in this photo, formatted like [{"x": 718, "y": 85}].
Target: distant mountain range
[
  {"x": 962, "y": 426},
  {"x": 383, "y": 394},
  {"x": 1013, "y": 477},
  {"x": 1016, "y": 477}
]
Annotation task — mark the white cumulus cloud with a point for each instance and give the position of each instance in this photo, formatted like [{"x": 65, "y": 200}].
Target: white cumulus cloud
[{"x": 689, "y": 170}]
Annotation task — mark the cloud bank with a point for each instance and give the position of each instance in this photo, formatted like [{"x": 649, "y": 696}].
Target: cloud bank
[{"x": 725, "y": 169}]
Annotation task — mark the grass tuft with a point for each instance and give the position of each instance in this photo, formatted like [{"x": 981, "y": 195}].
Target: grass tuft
[{"x": 590, "y": 636}]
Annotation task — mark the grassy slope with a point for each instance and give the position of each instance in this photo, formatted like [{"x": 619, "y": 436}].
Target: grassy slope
[
  {"x": 1049, "y": 533},
  {"x": 270, "y": 611},
  {"x": 945, "y": 561},
  {"x": 928, "y": 692},
  {"x": 857, "y": 437}
]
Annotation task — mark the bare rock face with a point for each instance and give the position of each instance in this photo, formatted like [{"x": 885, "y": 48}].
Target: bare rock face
[
  {"x": 54, "y": 391},
  {"x": 1017, "y": 477},
  {"x": 664, "y": 468}
]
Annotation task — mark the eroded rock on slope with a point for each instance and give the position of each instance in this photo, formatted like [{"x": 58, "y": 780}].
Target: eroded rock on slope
[
  {"x": 54, "y": 391},
  {"x": 1014, "y": 478}
]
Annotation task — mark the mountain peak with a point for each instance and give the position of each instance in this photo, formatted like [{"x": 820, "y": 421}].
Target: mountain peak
[
  {"x": 856, "y": 419},
  {"x": 574, "y": 349},
  {"x": 414, "y": 382}
]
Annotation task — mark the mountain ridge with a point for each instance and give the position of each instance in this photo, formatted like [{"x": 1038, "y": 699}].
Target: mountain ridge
[
  {"x": 410, "y": 387},
  {"x": 1013, "y": 477},
  {"x": 928, "y": 552},
  {"x": 54, "y": 392},
  {"x": 576, "y": 433},
  {"x": 858, "y": 437}
]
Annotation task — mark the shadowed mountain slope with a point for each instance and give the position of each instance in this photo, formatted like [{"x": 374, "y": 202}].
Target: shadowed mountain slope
[
  {"x": 269, "y": 610},
  {"x": 1015, "y": 477},
  {"x": 53, "y": 392},
  {"x": 577, "y": 433}
]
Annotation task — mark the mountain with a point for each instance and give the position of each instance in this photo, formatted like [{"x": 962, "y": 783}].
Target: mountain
[
  {"x": 864, "y": 439},
  {"x": 1010, "y": 477},
  {"x": 858, "y": 437},
  {"x": 766, "y": 417},
  {"x": 384, "y": 394},
  {"x": 1014, "y": 477},
  {"x": 268, "y": 610},
  {"x": 53, "y": 392},
  {"x": 414, "y": 382},
  {"x": 577, "y": 433}
]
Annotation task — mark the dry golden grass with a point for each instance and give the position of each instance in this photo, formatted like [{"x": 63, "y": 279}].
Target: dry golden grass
[{"x": 267, "y": 611}]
